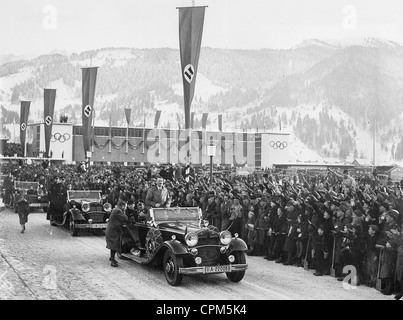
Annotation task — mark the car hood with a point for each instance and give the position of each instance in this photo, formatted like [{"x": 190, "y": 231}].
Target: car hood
[{"x": 81, "y": 200}]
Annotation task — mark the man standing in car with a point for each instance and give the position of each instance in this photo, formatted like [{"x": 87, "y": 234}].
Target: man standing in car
[{"x": 158, "y": 195}]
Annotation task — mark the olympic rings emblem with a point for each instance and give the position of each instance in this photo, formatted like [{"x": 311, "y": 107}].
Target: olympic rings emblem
[
  {"x": 278, "y": 144},
  {"x": 60, "y": 137}
]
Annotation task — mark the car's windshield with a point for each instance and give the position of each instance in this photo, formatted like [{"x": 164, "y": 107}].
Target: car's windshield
[
  {"x": 173, "y": 214},
  {"x": 86, "y": 195},
  {"x": 26, "y": 185}
]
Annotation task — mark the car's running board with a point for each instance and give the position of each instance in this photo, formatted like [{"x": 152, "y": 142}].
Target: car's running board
[{"x": 139, "y": 259}]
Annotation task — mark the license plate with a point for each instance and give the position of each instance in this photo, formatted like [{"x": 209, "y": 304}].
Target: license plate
[
  {"x": 35, "y": 205},
  {"x": 214, "y": 269},
  {"x": 98, "y": 225}
]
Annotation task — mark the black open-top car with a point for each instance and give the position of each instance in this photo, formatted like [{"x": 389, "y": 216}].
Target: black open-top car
[
  {"x": 35, "y": 194},
  {"x": 83, "y": 210},
  {"x": 184, "y": 244}
]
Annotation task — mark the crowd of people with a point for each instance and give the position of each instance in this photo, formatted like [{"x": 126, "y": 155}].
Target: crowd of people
[{"x": 325, "y": 221}]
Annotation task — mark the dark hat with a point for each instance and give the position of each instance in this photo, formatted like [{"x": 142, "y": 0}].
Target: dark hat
[
  {"x": 129, "y": 202},
  {"x": 358, "y": 213},
  {"x": 385, "y": 205},
  {"x": 349, "y": 226},
  {"x": 264, "y": 199},
  {"x": 211, "y": 194},
  {"x": 345, "y": 171},
  {"x": 289, "y": 203},
  {"x": 336, "y": 203},
  {"x": 253, "y": 197},
  {"x": 374, "y": 227}
]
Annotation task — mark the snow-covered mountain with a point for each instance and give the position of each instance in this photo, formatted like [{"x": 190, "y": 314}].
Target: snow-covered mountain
[{"x": 326, "y": 93}]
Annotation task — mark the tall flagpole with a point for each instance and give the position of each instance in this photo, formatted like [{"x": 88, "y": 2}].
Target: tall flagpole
[
  {"x": 110, "y": 132},
  {"x": 14, "y": 129},
  {"x": 127, "y": 138},
  {"x": 144, "y": 129},
  {"x": 93, "y": 132}
]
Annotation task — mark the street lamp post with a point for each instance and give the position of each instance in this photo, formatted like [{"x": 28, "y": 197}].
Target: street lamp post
[{"x": 211, "y": 153}]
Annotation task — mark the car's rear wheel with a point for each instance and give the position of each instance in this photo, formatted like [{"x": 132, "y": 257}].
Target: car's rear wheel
[
  {"x": 239, "y": 259},
  {"x": 171, "y": 265},
  {"x": 73, "y": 229}
]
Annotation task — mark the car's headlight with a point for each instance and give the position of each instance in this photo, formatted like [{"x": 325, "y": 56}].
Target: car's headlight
[
  {"x": 85, "y": 207},
  {"x": 191, "y": 239},
  {"x": 107, "y": 207},
  {"x": 225, "y": 237}
]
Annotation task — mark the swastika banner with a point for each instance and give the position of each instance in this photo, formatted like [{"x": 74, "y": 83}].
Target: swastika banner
[
  {"x": 49, "y": 97},
  {"x": 23, "y": 123},
  {"x": 88, "y": 94},
  {"x": 191, "y": 20}
]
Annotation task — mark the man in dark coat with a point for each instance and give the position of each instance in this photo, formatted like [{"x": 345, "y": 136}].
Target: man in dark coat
[
  {"x": 388, "y": 255},
  {"x": 371, "y": 255},
  {"x": 211, "y": 208},
  {"x": 114, "y": 230},
  {"x": 261, "y": 228},
  {"x": 280, "y": 229},
  {"x": 225, "y": 212},
  {"x": 320, "y": 251},
  {"x": 291, "y": 233},
  {"x": 8, "y": 189},
  {"x": 23, "y": 210}
]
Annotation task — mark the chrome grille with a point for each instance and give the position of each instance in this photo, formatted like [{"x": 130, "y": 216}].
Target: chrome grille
[
  {"x": 96, "y": 217},
  {"x": 209, "y": 255},
  {"x": 210, "y": 239},
  {"x": 96, "y": 207}
]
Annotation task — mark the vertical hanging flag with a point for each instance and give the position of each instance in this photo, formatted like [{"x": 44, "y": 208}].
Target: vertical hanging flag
[
  {"x": 204, "y": 120},
  {"x": 110, "y": 132},
  {"x": 49, "y": 97},
  {"x": 220, "y": 122},
  {"x": 23, "y": 123},
  {"x": 128, "y": 114},
  {"x": 191, "y": 20},
  {"x": 89, "y": 76},
  {"x": 157, "y": 118}
]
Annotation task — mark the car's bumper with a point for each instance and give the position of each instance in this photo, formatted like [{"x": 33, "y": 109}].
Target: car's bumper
[
  {"x": 90, "y": 226},
  {"x": 213, "y": 269}
]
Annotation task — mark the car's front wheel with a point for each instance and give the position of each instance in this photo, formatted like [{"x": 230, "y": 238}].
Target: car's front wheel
[
  {"x": 171, "y": 264},
  {"x": 73, "y": 229},
  {"x": 239, "y": 259}
]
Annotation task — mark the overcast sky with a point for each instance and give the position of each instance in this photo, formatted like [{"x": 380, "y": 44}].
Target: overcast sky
[{"x": 41, "y": 26}]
